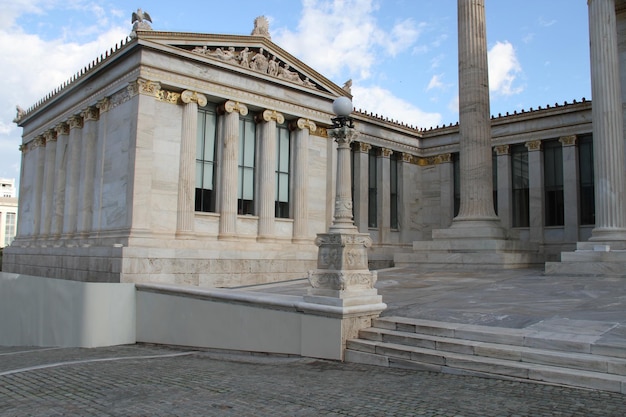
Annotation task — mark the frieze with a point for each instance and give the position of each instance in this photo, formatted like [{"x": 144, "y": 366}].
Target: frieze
[
  {"x": 435, "y": 160},
  {"x": 256, "y": 59},
  {"x": 341, "y": 280},
  {"x": 343, "y": 239}
]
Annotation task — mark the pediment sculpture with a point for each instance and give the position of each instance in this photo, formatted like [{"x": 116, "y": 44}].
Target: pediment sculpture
[{"x": 256, "y": 59}]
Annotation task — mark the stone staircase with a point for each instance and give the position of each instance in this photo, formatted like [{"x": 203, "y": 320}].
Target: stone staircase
[{"x": 521, "y": 354}]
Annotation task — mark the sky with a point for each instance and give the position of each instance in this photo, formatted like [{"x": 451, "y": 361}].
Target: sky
[{"x": 401, "y": 55}]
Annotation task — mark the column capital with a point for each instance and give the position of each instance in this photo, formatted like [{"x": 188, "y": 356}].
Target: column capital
[
  {"x": 385, "y": 152},
  {"x": 104, "y": 105},
  {"x": 50, "y": 135},
  {"x": 568, "y": 140},
  {"x": 232, "y": 106},
  {"x": 268, "y": 116},
  {"x": 533, "y": 145},
  {"x": 445, "y": 158},
  {"x": 143, "y": 86},
  {"x": 502, "y": 150},
  {"x": 62, "y": 129},
  {"x": 90, "y": 114},
  {"x": 344, "y": 136},
  {"x": 39, "y": 141},
  {"x": 75, "y": 122},
  {"x": 189, "y": 96},
  {"x": 305, "y": 124},
  {"x": 364, "y": 147}
]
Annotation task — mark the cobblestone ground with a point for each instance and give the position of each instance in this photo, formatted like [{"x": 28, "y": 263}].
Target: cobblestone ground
[{"x": 145, "y": 380}]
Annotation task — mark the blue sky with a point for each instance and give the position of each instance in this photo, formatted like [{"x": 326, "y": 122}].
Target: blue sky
[{"x": 400, "y": 54}]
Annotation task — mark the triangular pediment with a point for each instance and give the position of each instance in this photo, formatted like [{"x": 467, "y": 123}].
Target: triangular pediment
[{"x": 255, "y": 54}]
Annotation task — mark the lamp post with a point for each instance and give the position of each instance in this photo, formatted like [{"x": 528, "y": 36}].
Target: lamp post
[{"x": 342, "y": 277}]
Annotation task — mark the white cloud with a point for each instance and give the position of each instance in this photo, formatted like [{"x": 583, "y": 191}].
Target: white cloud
[
  {"x": 453, "y": 105},
  {"x": 377, "y": 100},
  {"x": 504, "y": 69},
  {"x": 348, "y": 35},
  {"x": 435, "y": 82},
  {"x": 32, "y": 66}
]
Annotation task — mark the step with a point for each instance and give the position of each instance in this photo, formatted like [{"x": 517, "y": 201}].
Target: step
[
  {"x": 527, "y": 337},
  {"x": 584, "y": 361},
  {"x": 397, "y": 355}
]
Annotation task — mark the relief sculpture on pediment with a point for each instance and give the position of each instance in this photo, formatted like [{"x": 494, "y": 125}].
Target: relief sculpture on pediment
[{"x": 259, "y": 60}]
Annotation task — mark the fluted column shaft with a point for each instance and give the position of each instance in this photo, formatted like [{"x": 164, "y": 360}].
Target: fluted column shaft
[
  {"x": 343, "y": 219},
  {"x": 267, "y": 183},
  {"x": 230, "y": 151},
  {"x": 87, "y": 169},
  {"x": 70, "y": 218},
  {"x": 608, "y": 141},
  {"x": 361, "y": 194},
  {"x": 474, "y": 122},
  {"x": 303, "y": 128},
  {"x": 186, "y": 174},
  {"x": 60, "y": 178},
  {"x": 48, "y": 189},
  {"x": 39, "y": 151}
]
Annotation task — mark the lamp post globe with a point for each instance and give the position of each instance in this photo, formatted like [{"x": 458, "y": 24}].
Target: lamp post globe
[{"x": 342, "y": 106}]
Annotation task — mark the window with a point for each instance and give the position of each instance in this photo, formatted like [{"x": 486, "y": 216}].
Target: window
[
  {"x": 282, "y": 172},
  {"x": 9, "y": 229},
  {"x": 519, "y": 178},
  {"x": 586, "y": 177},
  {"x": 393, "y": 190},
  {"x": 372, "y": 214},
  {"x": 247, "y": 145},
  {"x": 205, "y": 161},
  {"x": 553, "y": 183}
]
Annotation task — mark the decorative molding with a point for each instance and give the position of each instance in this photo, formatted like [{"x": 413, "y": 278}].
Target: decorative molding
[
  {"x": 39, "y": 141},
  {"x": 568, "y": 140},
  {"x": 407, "y": 157},
  {"x": 188, "y": 96},
  {"x": 435, "y": 160},
  {"x": 90, "y": 114},
  {"x": 533, "y": 145},
  {"x": 502, "y": 150},
  {"x": 75, "y": 122},
  {"x": 445, "y": 158},
  {"x": 148, "y": 88},
  {"x": 232, "y": 106},
  {"x": 322, "y": 132},
  {"x": 62, "y": 129}
]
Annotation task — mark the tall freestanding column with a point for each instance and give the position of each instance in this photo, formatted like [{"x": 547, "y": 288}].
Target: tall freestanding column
[
  {"x": 476, "y": 215},
  {"x": 187, "y": 166},
  {"x": 606, "y": 113},
  {"x": 228, "y": 190},
  {"x": 303, "y": 128}
]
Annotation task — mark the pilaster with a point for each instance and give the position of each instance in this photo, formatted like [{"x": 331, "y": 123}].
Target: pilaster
[
  {"x": 570, "y": 188},
  {"x": 303, "y": 128},
  {"x": 505, "y": 192},
  {"x": 39, "y": 152},
  {"x": 70, "y": 215},
  {"x": 446, "y": 190},
  {"x": 535, "y": 191},
  {"x": 60, "y": 178},
  {"x": 384, "y": 211},
  {"x": 91, "y": 115},
  {"x": 48, "y": 189},
  {"x": 361, "y": 171}
]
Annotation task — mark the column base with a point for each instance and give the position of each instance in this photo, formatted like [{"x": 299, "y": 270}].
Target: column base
[{"x": 490, "y": 228}]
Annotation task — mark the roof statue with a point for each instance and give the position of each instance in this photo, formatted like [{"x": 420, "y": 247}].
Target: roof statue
[
  {"x": 261, "y": 27},
  {"x": 20, "y": 114},
  {"x": 347, "y": 86},
  {"x": 140, "y": 20}
]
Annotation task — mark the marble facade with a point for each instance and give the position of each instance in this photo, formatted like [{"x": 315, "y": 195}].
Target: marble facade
[{"x": 107, "y": 186}]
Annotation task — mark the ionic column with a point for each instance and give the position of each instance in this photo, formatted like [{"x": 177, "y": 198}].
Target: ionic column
[
  {"x": 303, "y": 129},
  {"x": 505, "y": 192},
  {"x": 229, "y": 175},
  {"x": 70, "y": 215},
  {"x": 343, "y": 221},
  {"x": 267, "y": 181},
  {"x": 60, "y": 178},
  {"x": 474, "y": 124},
  {"x": 536, "y": 212},
  {"x": 570, "y": 188},
  {"x": 87, "y": 169},
  {"x": 187, "y": 165},
  {"x": 39, "y": 150},
  {"x": 49, "y": 176},
  {"x": 361, "y": 193},
  {"x": 607, "y": 118}
]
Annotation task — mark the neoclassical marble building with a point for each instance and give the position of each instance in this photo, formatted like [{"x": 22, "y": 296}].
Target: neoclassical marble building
[{"x": 204, "y": 159}]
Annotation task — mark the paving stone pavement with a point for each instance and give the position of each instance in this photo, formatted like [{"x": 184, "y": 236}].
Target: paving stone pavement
[{"x": 146, "y": 380}]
